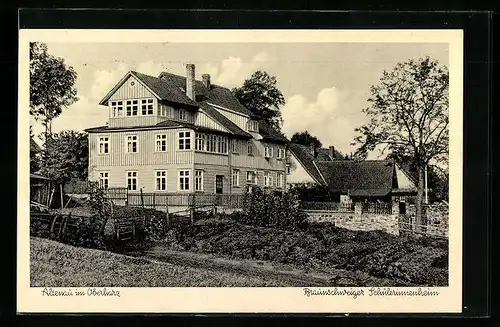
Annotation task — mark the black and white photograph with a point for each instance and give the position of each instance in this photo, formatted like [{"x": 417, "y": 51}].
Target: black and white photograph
[{"x": 272, "y": 163}]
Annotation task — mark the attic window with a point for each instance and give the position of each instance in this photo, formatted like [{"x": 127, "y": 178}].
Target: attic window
[{"x": 132, "y": 83}]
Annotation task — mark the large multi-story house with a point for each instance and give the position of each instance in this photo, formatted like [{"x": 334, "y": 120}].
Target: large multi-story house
[{"x": 177, "y": 134}]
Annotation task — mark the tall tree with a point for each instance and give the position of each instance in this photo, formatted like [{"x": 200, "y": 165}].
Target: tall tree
[
  {"x": 408, "y": 114},
  {"x": 305, "y": 138},
  {"x": 51, "y": 86},
  {"x": 260, "y": 95},
  {"x": 67, "y": 156}
]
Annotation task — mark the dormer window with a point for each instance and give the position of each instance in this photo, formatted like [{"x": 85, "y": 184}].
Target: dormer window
[{"x": 253, "y": 126}]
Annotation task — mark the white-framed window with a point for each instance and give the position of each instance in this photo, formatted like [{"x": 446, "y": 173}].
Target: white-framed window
[
  {"x": 268, "y": 181},
  {"x": 198, "y": 180},
  {"x": 184, "y": 140},
  {"x": 236, "y": 177},
  {"x": 211, "y": 143},
  {"x": 182, "y": 114},
  {"x": 104, "y": 145},
  {"x": 104, "y": 179},
  {"x": 132, "y": 143},
  {"x": 132, "y": 180},
  {"x": 146, "y": 107},
  {"x": 281, "y": 153},
  {"x": 161, "y": 142},
  {"x": 250, "y": 148},
  {"x": 132, "y": 107},
  {"x": 253, "y": 126},
  {"x": 268, "y": 151},
  {"x": 117, "y": 108},
  {"x": 279, "y": 179},
  {"x": 234, "y": 146},
  {"x": 161, "y": 180},
  {"x": 251, "y": 177},
  {"x": 288, "y": 169},
  {"x": 162, "y": 110},
  {"x": 184, "y": 176}
]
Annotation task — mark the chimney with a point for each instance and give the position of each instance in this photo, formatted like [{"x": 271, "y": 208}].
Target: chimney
[
  {"x": 332, "y": 152},
  {"x": 190, "y": 77},
  {"x": 206, "y": 80}
]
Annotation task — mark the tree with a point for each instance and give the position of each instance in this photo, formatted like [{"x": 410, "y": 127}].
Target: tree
[
  {"x": 51, "y": 85},
  {"x": 261, "y": 96},
  {"x": 67, "y": 156},
  {"x": 408, "y": 115},
  {"x": 305, "y": 138},
  {"x": 34, "y": 154}
]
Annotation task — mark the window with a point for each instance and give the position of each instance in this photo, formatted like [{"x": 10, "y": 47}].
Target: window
[
  {"x": 104, "y": 180},
  {"x": 281, "y": 153},
  {"x": 279, "y": 179},
  {"x": 132, "y": 143},
  {"x": 182, "y": 114},
  {"x": 132, "y": 107},
  {"x": 184, "y": 140},
  {"x": 198, "y": 180},
  {"x": 104, "y": 145},
  {"x": 288, "y": 169},
  {"x": 211, "y": 143},
  {"x": 161, "y": 180},
  {"x": 146, "y": 107},
  {"x": 132, "y": 180},
  {"x": 251, "y": 177},
  {"x": 161, "y": 143},
  {"x": 267, "y": 179},
  {"x": 234, "y": 146},
  {"x": 236, "y": 177},
  {"x": 184, "y": 180},
  {"x": 201, "y": 140},
  {"x": 117, "y": 108},
  {"x": 253, "y": 126},
  {"x": 250, "y": 148},
  {"x": 268, "y": 152}
]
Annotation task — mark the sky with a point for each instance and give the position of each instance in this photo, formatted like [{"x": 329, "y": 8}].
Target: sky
[{"x": 325, "y": 85}]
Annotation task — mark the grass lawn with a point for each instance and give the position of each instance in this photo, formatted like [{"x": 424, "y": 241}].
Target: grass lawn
[{"x": 55, "y": 264}]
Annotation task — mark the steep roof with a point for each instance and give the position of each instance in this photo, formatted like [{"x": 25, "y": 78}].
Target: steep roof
[
  {"x": 359, "y": 178},
  {"x": 224, "y": 121},
  {"x": 303, "y": 154},
  {"x": 270, "y": 134}
]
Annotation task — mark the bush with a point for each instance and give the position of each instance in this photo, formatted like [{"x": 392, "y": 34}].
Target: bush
[{"x": 275, "y": 209}]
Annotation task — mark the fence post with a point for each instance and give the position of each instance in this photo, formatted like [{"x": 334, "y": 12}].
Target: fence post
[
  {"x": 142, "y": 199},
  {"x": 154, "y": 206},
  {"x": 168, "y": 218},
  {"x": 133, "y": 228}
]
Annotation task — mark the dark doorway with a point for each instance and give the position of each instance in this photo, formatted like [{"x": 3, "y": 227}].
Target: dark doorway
[{"x": 219, "y": 184}]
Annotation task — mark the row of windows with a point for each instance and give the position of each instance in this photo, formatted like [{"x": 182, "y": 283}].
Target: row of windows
[
  {"x": 141, "y": 107},
  {"x": 204, "y": 142},
  {"x": 184, "y": 143},
  {"x": 184, "y": 177},
  {"x": 252, "y": 178},
  {"x": 133, "y": 107}
]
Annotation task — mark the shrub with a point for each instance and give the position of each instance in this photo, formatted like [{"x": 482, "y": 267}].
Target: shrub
[{"x": 274, "y": 209}]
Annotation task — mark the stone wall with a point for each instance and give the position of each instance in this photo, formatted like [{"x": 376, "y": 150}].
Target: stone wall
[
  {"x": 435, "y": 217},
  {"x": 357, "y": 220}
]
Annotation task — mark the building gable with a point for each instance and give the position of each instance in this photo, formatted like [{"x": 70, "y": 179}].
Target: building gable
[
  {"x": 298, "y": 174},
  {"x": 131, "y": 88},
  {"x": 404, "y": 181}
]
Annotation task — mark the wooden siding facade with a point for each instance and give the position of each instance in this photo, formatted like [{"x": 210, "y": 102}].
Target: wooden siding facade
[
  {"x": 128, "y": 91},
  {"x": 238, "y": 119}
]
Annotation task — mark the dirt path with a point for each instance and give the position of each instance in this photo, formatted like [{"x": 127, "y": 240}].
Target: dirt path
[{"x": 284, "y": 274}]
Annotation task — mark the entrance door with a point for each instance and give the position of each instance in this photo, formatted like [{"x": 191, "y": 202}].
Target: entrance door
[{"x": 219, "y": 184}]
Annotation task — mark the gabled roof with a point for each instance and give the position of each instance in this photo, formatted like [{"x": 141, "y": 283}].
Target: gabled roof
[
  {"x": 358, "y": 178},
  {"x": 270, "y": 134},
  {"x": 303, "y": 154},
  {"x": 224, "y": 121}
]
